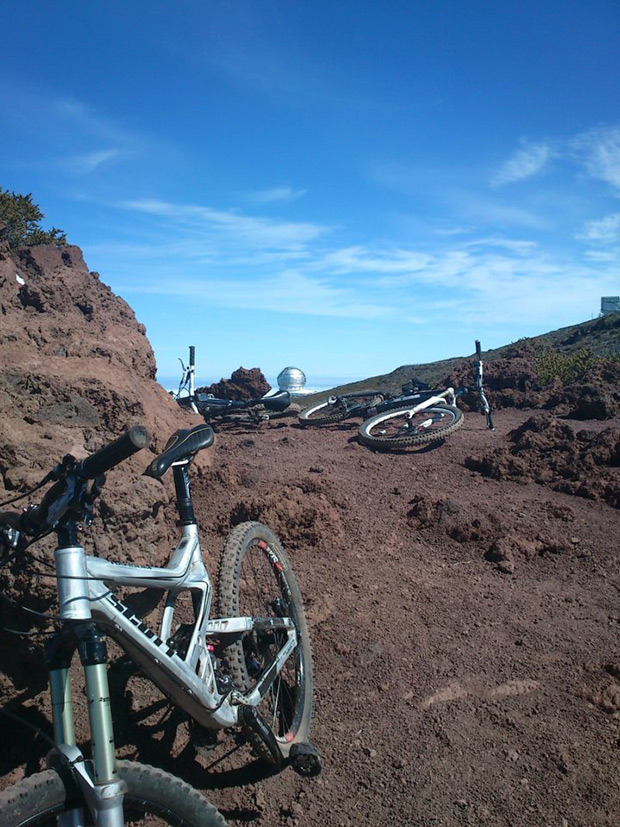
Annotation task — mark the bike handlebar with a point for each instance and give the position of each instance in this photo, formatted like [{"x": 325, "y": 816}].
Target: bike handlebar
[
  {"x": 58, "y": 499},
  {"x": 192, "y": 356},
  {"x": 136, "y": 438},
  {"x": 478, "y": 350}
]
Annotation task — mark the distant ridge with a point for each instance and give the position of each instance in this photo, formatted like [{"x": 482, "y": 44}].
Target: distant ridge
[{"x": 601, "y": 336}]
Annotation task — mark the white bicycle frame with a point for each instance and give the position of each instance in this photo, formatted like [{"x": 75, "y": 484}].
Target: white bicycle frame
[
  {"x": 447, "y": 397},
  {"x": 189, "y": 680}
]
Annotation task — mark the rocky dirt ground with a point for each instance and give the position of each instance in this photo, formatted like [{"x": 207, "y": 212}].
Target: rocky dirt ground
[
  {"x": 465, "y": 632},
  {"x": 463, "y": 598}
]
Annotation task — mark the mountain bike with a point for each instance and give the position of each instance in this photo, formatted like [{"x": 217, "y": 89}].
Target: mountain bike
[
  {"x": 426, "y": 417},
  {"x": 249, "y": 666},
  {"x": 338, "y": 407},
  {"x": 256, "y": 410}
]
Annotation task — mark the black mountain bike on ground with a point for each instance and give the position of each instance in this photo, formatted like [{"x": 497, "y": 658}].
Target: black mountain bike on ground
[
  {"x": 256, "y": 410},
  {"x": 338, "y": 407}
]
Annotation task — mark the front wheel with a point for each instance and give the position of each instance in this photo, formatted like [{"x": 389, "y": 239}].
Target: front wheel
[
  {"x": 255, "y": 579},
  {"x": 153, "y": 799},
  {"x": 399, "y": 428}
]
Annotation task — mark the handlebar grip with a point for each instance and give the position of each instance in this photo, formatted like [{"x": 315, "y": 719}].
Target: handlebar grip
[
  {"x": 478, "y": 349},
  {"x": 136, "y": 438},
  {"x": 192, "y": 356}
]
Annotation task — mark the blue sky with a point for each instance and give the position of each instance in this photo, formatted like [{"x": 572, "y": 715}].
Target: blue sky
[{"x": 342, "y": 186}]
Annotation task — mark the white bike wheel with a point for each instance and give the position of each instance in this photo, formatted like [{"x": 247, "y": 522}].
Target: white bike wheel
[{"x": 398, "y": 429}]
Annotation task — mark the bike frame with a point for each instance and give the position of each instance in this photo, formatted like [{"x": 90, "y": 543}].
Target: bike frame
[
  {"x": 190, "y": 680},
  {"x": 446, "y": 397}
]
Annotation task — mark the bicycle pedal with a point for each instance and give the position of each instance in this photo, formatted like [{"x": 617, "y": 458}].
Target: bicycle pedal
[{"x": 305, "y": 760}]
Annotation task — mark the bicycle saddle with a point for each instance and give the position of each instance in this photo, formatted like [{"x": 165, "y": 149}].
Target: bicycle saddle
[
  {"x": 183, "y": 444},
  {"x": 278, "y": 401},
  {"x": 414, "y": 385}
]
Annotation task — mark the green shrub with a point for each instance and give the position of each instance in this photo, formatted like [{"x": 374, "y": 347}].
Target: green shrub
[
  {"x": 22, "y": 217},
  {"x": 567, "y": 367}
]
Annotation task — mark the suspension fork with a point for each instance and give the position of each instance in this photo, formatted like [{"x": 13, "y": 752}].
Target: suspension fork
[
  {"x": 100, "y": 787},
  {"x": 97, "y": 781},
  {"x": 484, "y": 402}
]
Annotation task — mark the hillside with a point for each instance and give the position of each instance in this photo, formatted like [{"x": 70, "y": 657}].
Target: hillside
[{"x": 600, "y": 336}]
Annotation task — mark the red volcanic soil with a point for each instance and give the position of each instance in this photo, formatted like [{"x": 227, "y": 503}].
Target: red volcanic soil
[
  {"x": 465, "y": 631},
  {"x": 465, "y": 627},
  {"x": 463, "y": 601}
]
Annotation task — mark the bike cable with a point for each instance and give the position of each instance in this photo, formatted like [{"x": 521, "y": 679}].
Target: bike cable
[
  {"x": 20, "y": 720},
  {"x": 47, "y": 478}
]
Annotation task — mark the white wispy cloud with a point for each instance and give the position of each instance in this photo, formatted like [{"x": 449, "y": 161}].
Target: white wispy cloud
[
  {"x": 527, "y": 161},
  {"x": 489, "y": 288},
  {"x": 276, "y": 194},
  {"x": 90, "y": 122},
  {"x": 256, "y": 230},
  {"x": 599, "y": 150},
  {"x": 87, "y": 162},
  {"x": 602, "y": 231},
  {"x": 484, "y": 210},
  {"x": 74, "y": 136},
  {"x": 359, "y": 259},
  {"x": 290, "y": 292},
  {"x": 520, "y": 247},
  {"x": 228, "y": 258}
]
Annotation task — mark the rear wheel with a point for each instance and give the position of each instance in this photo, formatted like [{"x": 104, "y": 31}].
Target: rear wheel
[
  {"x": 398, "y": 429},
  {"x": 153, "y": 799},
  {"x": 337, "y": 408},
  {"x": 255, "y": 580}
]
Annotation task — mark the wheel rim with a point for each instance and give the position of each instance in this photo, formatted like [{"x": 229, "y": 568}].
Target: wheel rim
[
  {"x": 264, "y": 592},
  {"x": 397, "y": 425},
  {"x": 323, "y": 411}
]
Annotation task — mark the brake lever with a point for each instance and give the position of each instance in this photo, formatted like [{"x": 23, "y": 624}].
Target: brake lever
[
  {"x": 9, "y": 538},
  {"x": 89, "y": 498}
]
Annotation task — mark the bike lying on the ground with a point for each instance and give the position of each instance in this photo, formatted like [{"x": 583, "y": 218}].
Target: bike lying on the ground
[
  {"x": 258, "y": 409},
  {"x": 425, "y": 417},
  {"x": 249, "y": 666},
  {"x": 338, "y": 407}
]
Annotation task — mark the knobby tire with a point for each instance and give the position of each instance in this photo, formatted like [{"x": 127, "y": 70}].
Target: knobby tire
[
  {"x": 322, "y": 414},
  {"x": 255, "y": 579},
  {"x": 153, "y": 798},
  {"x": 326, "y": 413},
  {"x": 394, "y": 429}
]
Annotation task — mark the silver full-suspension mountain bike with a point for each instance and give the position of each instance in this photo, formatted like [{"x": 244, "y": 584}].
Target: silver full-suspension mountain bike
[{"x": 249, "y": 666}]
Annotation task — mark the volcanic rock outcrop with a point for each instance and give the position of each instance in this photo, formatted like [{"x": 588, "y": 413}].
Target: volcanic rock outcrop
[
  {"x": 76, "y": 370},
  {"x": 243, "y": 384}
]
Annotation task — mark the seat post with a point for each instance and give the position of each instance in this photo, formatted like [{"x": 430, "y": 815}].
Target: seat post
[{"x": 184, "y": 494}]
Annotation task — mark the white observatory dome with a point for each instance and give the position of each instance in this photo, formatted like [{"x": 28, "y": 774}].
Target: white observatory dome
[{"x": 291, "y": 380}]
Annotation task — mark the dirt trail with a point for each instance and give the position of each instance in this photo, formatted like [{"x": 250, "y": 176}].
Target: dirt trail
[{"x": 465, "y": 630}]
